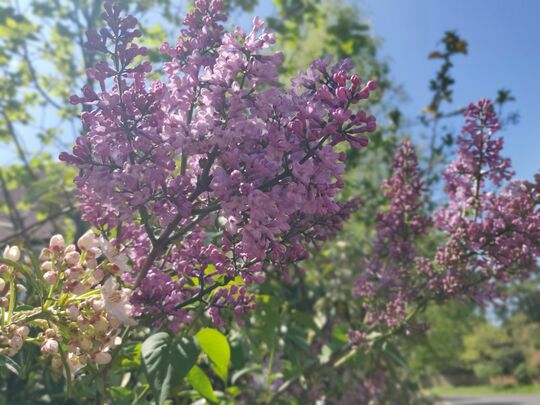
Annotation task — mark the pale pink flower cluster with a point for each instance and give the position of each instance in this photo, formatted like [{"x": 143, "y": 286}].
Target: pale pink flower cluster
[{"x": 85, "y": 307}]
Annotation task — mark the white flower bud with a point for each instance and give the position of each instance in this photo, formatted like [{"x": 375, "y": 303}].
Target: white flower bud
[
  {"x": 57, "y": 243},
  {"x": 23, "y": 331},
  {"x": 45, "y": 255},
  {"x": 2, "y": 284},
  {"x": 88, "y": 241},
  {"x": 50, "y": 277},
  {"x": 103, "y": 358},
  {"x": 72, "y": 258},
  {"x": 12, "y": 253},
  {"x": 46, "y": 266},
  {"x": 50, "y": 333},
  {"x": 70, "y": 248}
]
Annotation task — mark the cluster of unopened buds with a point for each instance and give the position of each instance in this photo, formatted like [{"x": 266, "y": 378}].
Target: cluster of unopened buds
[{"x": 79, "y": 307}]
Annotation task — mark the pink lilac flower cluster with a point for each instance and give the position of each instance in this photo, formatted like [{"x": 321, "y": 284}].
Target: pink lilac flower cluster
[
  {"x": 492, "y": 222},
  {"x": 491, "y": 227},
  {"x": 218, "y": 172},
  {"x": 387, "y": 286}
]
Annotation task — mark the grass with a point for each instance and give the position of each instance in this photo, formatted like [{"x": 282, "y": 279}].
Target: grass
[{"x": 484, "y": 389}]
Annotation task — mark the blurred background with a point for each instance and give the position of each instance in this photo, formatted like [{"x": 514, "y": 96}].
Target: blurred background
[{"x": 430, "y": 58}]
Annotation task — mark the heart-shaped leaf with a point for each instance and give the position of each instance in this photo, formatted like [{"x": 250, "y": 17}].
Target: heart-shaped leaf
[
  {"x": 167, "y": 360},
  {"x": 216, "y": 347}
]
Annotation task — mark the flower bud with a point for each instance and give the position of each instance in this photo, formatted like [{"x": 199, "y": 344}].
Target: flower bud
[
  {"x": 12, "y": 253},
  {"x": 93, "y": 253},
  {"x": 72, "y": 258},
  {"x": 2, "y": 284},
  {"x": 355, "y": 79},
  {"x": 45, "y": 255},
  {"x": 72, "y": 312},
  {"x": 101, "y": 324},
  {"x": 85, "y": 344},
  {"x": 4, "y": 302},
  {"x": 91, "y": 263},
  {"x": 8, "y": 351},
  {"x": 371, "y": 85},
  {"x": 49, "y": 346},
  {"x": 341, "y": 93},
  {"x": 3, "y": 268},
  {"x": 50, "y": 277},
  {"x": 46, "y": 266},
  {"x": 50, "y": 333},
  {"x": 16, "y": 342},
  {"x": 103, "y": 358},
  {"x": 87, "y": 241},
  {"x": 70, "y": 248},
  {"x": 57, "y": 243},
  {"x": 23, "y": 331}
]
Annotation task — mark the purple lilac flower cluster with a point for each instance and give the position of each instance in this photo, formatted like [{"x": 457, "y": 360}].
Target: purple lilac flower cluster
[
  {"x": 492, "y": 222},
  {"x": 491, "y": 227},
  {"x": 387, "y": 286},
  {"x": 218, "y": 172}
]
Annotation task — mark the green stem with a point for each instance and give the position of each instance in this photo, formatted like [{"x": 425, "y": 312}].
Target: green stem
[
  {"x": 12, "y": 297},
  {"x": 143, "y": 392},
  {"x": 270, "y": 365},
  {"x": 67, "y": 370}
]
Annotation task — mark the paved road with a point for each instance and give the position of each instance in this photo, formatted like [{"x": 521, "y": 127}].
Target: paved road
[{"x": 511, "y": 399}]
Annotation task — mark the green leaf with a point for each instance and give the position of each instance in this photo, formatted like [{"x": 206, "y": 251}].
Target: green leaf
[
  {"x": 216, "y": 347},
  {"x": 10, "y": 364},
  {"x": 200, "y": 381},
  {"x": 166, "y": 361},
  {"x": 23, "y": 308}
]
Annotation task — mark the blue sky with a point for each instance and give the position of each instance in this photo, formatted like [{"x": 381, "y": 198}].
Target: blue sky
[{"x": 504, "y": 52}]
